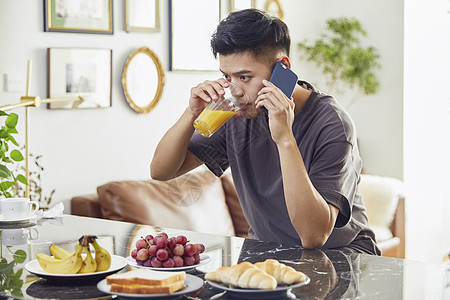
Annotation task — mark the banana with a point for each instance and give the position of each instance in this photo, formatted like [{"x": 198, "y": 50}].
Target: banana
[
  {"x": 59, "y": 252},
  {"x": 68, "y": 265},
  {"x": 64, "y": 262},
  {"x": 89, "y": 264},
  {"x": 102, "y": 256}
]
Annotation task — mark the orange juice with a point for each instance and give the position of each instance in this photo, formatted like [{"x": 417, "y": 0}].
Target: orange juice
[{"x": 210, "y": 120}]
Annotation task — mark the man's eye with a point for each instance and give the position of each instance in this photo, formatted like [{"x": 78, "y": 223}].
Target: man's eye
[
  {"x": 245, "y": 78},
  {"x": 226, "y": 77}
]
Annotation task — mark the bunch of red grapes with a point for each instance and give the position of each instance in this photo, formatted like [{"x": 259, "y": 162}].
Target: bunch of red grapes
[{"x": 164, "y": 252}]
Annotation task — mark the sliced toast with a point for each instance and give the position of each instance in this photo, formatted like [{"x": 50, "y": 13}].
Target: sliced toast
[
  {"x": 147, "y": 289},
  {"x": 146, "y": 277}
]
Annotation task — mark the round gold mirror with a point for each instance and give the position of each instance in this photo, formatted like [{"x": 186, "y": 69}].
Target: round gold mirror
[
  {"x": 143, "y": 80},
  {"x": 274, "y": 8}
]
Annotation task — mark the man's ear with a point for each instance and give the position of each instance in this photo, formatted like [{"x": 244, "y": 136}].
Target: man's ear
[{"x": 285, "y": 60}]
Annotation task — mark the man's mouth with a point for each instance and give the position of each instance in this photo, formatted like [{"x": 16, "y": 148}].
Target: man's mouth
[{"x": 243, "y": 106}]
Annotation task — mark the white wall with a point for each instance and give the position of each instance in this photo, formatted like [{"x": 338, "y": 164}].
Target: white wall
[
  {"x": 379, "y": 118},
  {"x": 427, "y": 123},
  {"x": 85, "y": 148}
]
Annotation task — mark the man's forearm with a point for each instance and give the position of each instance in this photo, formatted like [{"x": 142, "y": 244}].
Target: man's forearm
[
  {"x": 170, "y": 153},
  {"x": 311, "y": 216}
]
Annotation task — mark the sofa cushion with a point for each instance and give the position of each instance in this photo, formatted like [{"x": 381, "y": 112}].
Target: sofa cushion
[
  {"x": 380, "y": 196},
  {"x": 194, "y": 201},
  {"x": 86, "y": 206}
]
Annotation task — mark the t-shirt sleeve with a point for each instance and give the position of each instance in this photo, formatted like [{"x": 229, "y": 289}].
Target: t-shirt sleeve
[
  {"x": 212, "y": 151},
  {"x": 332, "y": 170},
  {"x": 335, "y": 178}
]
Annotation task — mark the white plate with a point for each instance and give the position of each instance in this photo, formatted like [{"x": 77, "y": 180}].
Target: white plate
[
  {"x": 204, "y": 259},
  {"x": 191, "y": 284},
  {"x": 256, "y": 293},
  {"x": 15, "y": 221},
  {"x": 117, "y": 264}
]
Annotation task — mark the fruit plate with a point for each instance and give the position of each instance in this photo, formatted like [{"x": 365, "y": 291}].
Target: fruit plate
[
  {"x": 256, "y": 293},
  {"x": 117, "y": 264},
  {"x": 191, "y": 284},
  {"x": 204, "y": 259}
]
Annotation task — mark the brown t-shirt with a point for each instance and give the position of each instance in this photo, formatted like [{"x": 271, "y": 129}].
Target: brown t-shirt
[{"x": 326, "y": 138}]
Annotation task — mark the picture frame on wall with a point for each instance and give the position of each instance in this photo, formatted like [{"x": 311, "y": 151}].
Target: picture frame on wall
[
  {"x": 191, "y": 25},
  {"x": 236, "y": 5},
  {"x": 142, "y": 15},
  {"x": 94, "y": 16},
  {"x": 79, "y": 72}
]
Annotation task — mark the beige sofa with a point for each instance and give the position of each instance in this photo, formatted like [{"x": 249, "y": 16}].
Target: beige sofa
[
  {"x": 196, "y": 201},
  {"x": 199, "y": 201}
]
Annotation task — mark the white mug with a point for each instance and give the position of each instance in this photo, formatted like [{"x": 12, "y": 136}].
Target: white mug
[
  {"x": 18, "y": 208},
  {"x": 18, "y": 236}
]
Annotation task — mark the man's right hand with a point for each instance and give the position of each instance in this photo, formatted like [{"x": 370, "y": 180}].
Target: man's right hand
[
  {"x": 172, "y": 156},
  {"x": 204, "y": 93}
]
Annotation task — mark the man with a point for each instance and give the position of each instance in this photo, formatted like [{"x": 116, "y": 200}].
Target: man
[{"x": 296, "y": 169}]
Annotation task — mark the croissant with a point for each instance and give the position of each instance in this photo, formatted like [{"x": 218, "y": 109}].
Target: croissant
[
  {"x": 244, "y": 275},
  {"x": 282, "y": 273}
]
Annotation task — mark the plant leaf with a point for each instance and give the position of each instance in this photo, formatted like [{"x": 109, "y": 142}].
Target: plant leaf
[
  {"x": 5, "y": 173},
  {"x": 22, "y": 179},
  {"x": 4, "y": 133},
  {"x": 7, "y": 159},
  {"x": 3, "y": 146},
  {"x": 6, "y": 185},
  {"x": 11, "y": 120},
  {"x": 2, "y": 113},
  {"x": 16, "y": 155},
  {"x": 20, "y": 256},
  {"x": 12, "y": 130},
  {"x": 6, "y": 268},
  {"x": 13, "y": 140},
  {"x": 17, "y": 281},
  {"x": 17, "y": 293}
]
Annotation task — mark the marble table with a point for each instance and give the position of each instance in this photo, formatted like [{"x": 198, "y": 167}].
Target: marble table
[{"x": 334, "y": 274}]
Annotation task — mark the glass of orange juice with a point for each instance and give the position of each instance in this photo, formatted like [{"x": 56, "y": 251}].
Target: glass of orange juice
[{"x": 218, "y": 112}]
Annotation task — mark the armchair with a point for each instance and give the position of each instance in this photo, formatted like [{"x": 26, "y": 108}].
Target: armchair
[{"x": 385, "y": 204}]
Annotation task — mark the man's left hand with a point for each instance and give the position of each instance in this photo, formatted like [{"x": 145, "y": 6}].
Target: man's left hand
[{"x": 280, "y": 109}]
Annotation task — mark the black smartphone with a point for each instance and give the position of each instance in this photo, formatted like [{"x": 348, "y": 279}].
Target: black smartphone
[{"x": 283, "y": 78}]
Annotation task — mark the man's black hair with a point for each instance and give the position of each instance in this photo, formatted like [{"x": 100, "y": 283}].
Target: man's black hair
[{"x": 252, "y": 31}]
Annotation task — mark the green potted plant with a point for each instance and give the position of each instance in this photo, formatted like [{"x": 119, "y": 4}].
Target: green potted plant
[
  {"x": 10, "y": 279},
  {"x": 8, "y": 156},
  {"x": 342, "y": 58}
]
